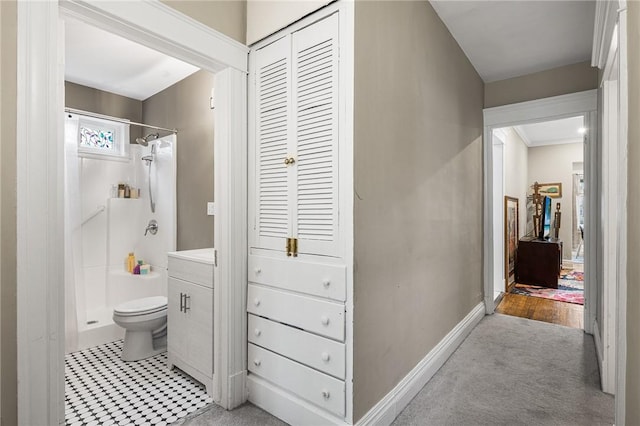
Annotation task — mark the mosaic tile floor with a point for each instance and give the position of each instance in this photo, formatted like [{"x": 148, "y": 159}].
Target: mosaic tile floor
[{"x": 101, "y": 389}]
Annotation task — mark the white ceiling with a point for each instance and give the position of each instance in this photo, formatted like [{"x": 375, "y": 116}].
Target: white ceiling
[
  {"x": 554, "y": 132},
  {"x": 505, "y": 39},
  {"x": 105, "y": 61}
]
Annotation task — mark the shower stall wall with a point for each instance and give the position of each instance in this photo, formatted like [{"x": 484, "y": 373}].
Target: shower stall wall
[{"x": 109, "y": 229}]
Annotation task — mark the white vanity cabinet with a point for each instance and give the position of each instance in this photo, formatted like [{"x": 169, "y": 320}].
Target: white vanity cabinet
[{"x": 190, "y": 314}]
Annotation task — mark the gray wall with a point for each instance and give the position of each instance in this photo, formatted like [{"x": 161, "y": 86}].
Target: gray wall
[
  {"x": 633, "y": 247},
  {"x": 98, "y": 101},
  {"x": 185, "y": 106},
  {"x": 8, "y": 202},
  {"x": 558, "y": 81},
  {"x": 418, "y": 183},
  {"x": 227, "y": 16},
  {"x": 265, "y": 17}
]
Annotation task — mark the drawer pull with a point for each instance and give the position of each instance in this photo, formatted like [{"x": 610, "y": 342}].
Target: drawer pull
[
  {"x": 326, "y": 394},
  {"x": 258, "y": 270},
  {"x": 257, "y": 362},
  {"x": 326, "y": 357},
  {"x": 257, "y": 332},
  {"x": 326, "y": 283},
  {"x": 325, "y": 320},
  {"x": 256, "y": 301}
]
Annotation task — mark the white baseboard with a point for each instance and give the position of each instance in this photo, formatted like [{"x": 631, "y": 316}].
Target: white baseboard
[
  {"x": 286, "y": 406},
  {"x": 599, "y": 348},
  {"x": 237, "y": 390},
  {"x": 388, "y": 408}
]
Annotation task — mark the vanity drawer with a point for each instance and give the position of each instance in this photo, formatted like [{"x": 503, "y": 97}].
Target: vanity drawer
[
  {"x": 318, "y": 279},
  {"x": 317, "y": 316},
  {"x": 318, "y": 388},
  {"x": 188, "y": 270},
  {"x": 314, "y": 351}
]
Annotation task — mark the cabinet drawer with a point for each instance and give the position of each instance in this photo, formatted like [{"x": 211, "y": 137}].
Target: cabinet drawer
[
  {"x": 318, "y": 279},
  {"x": 317, "y": 316},
  {"x": 188, "y": 270},
  {"x": 318, "y": 388},
  {"x": 314, "y": 351}
]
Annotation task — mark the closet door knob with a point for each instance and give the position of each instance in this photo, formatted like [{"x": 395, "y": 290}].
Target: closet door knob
[
  {"x": 326, "y": 357},
  {"x": 326, "y": 283},
  {"x": 326, "y": 394},
  {"x": 325, "y": 320},
  {"x": 257, "y": 332},
  {"x": 257, "y": 362},
  {"x": 256, "y": 301}
]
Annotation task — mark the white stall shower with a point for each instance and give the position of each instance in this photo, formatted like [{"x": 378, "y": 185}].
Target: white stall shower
[{"x": 109, "y": 229}]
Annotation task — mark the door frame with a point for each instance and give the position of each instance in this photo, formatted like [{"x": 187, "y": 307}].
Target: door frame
[
  {"x": 40, "y": 195},
  {"x": 583, "y": 104}
]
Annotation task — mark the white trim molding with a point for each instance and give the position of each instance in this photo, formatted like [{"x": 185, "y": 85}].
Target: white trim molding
[
  {"x": 40, "y": 217},
  {"x": 605, "y": 20},
  {"x": 40, "y": 193},
  {"x": 163, "y": 29},
  {"x": 388, "y": 408},
  {"x": 230, "y": 235}
]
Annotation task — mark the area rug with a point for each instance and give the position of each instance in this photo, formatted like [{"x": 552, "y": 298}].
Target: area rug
[{"x": 570, "y": 288}]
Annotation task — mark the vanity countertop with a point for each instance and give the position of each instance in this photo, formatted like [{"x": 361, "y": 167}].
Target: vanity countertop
[{"x": 204, "y": 255}]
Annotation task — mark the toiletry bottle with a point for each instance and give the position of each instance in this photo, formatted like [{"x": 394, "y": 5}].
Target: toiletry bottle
[
  {"x": 121, "y": 190},
  {"x": 131, "y": 263},
  {"x": 127, "y": 191},
  {"x": 114, "y": 191}
]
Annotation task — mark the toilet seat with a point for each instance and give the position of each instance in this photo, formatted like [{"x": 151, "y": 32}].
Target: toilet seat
[{"x": 144, "y": 306}]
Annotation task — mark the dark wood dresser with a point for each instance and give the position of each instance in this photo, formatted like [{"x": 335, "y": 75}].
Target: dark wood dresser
[{"x": 538, "y": 262}]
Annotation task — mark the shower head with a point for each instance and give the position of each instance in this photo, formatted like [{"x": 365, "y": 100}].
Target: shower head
[{"x": 145, "y": 140}]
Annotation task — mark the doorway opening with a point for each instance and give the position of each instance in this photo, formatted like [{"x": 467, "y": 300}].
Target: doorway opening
[
  {"x": 539, "y": 173},
  {"x": 40, "y": 180}
]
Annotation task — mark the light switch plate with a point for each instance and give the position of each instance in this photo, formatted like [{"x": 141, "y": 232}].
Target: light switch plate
[{"x": 211, "y": 208}]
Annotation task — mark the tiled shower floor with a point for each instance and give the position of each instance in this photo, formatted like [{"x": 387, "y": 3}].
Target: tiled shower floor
[{"x": 101, "y": 389}]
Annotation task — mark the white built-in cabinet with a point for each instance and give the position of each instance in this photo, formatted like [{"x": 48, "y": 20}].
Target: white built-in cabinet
[
  {"x": 190, "y": 314},
  {"x": 298, "y": 303}
]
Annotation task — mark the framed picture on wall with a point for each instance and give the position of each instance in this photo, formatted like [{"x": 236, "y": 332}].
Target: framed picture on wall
[
  {"x": 553, "y": 190},
  {"x": 510, "y": 240}
]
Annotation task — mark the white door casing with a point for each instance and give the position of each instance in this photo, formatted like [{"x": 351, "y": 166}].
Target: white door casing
[
  {"x": 576, "y": 104},
  {"x": 39, "y": 182}
]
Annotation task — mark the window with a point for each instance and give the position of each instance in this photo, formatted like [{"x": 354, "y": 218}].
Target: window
[{"x": 98, "y": 138}]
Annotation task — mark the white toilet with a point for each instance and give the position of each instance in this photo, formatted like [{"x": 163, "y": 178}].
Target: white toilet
[{"x": 145, "y": 322}]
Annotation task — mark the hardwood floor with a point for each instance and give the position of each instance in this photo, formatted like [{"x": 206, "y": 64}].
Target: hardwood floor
[{"x": 536, "y": 308}]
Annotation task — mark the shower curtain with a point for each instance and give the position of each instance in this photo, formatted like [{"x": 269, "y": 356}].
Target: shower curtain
[{"x": 72, "y": 233}]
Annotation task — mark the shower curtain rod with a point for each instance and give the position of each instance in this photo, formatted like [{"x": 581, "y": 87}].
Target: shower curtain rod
[{"x": 116, "y": 119}]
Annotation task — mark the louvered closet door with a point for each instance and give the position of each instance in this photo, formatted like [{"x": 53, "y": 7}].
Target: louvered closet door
[
  {"x": 315, "y": 103},
  {"x": 273, "y": 144}
]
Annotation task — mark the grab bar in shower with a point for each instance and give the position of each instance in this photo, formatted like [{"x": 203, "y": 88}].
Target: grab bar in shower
[{"x": 99, "y": 210}]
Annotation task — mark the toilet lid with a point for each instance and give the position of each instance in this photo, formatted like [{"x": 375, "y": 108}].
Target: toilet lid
[{"x": 141, "y": 306}]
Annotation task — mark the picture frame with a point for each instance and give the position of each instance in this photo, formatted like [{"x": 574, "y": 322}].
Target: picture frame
[
  {"x": 511, "y": 235},
  {"x": 553, "y": 190}
]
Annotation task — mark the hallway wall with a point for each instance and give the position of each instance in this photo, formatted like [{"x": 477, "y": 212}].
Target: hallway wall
[
  {"x": 633, "y": 225},
  {"x": 418, "y": 185},
  {"x": 8, "y": 203},
  {"x": 557, "y": 81}
]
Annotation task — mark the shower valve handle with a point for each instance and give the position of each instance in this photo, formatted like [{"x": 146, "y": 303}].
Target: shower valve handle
[{"x": 152, "y": 227}]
